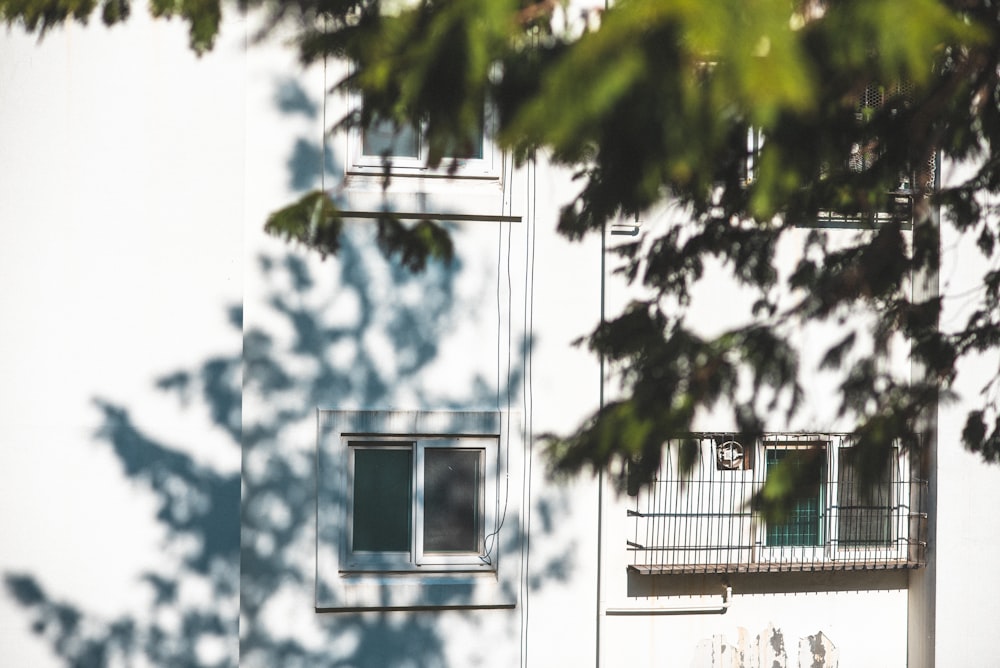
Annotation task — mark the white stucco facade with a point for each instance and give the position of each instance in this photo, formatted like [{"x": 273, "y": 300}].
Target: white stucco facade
[{"x": 163, "y": 362}]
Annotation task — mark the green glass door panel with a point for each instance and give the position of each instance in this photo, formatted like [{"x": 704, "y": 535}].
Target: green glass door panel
[{"x": 803, "y": 525}]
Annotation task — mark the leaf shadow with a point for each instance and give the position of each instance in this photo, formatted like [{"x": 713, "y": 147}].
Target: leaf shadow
[{"x": 228, "y": 560}]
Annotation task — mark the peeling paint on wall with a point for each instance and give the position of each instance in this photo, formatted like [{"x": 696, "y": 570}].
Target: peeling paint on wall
[
  {"x": 766, "y": 650},
  {"x": 817, "y": 651},
  {"x": 777, "y": 646}
]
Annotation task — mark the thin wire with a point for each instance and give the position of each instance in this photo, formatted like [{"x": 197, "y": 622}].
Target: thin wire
[
  {"x": 525, "y": 494},
  {"x": 503, "y": 204},
  {"x": 322, "y": 135},
  {"x": 510, "y": 292},
  {"x": 499, "y": 312},
  {"x": 489, "y": 542},
  {"x": 510, "y": 325},
  {"x": 528, "y": 395}
]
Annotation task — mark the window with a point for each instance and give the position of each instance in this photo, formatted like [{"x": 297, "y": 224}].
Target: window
[
  {"x": 805, "y": 521},
  {"x": 896, "y": 202},
  {"x": 417, "y": 509},
  {"x": 467, "y": 185},
  {"x": 842, "y": 517},
  {"x": 864, "y": 155},
  {"x": 386, "y": 139},
  {"x": 704, "y": 522},
  {"x": 754, "y": 144},
  {"x": 404, "y": 150},
  {"x": 863, "y": 514},
  {"x": 419, "y": 503}
]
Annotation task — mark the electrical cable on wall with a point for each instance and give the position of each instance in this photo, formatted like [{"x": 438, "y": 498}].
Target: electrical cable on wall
[
  {"x": 501, "y": 515},
  {"x": 528, "y": 393}
]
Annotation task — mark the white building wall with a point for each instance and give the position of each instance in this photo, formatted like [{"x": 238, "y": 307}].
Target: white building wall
[
  {"x": 121, "y": 206},
  {"x": 967, "y": 489}
]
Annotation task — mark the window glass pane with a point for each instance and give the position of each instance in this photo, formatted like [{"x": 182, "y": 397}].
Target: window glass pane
[
  {"x": 383, "y": 137},
  {"x": 452, "y": 505},
  {"x": 802, "y": 527},
  {"x": 382, "y": 499},
  {"x": 469, "y": 149},
  {"x": 864, "y": 516}
]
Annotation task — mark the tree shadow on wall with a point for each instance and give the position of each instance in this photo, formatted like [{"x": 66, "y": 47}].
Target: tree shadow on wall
[
  {"x": 307, "y": 160},
  {"x": 355, "y": 331},
  {"x": 194, "y": 587},
  {"x": 363, "y": 333},
  {"x": 326, "y": 335}
]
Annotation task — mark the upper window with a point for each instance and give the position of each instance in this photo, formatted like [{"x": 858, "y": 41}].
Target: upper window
[
  {"x": 386, "y": 139},
  {"x": 863, "y": 155},
  {"x": 417, "y": 494},
  {"x": 382, "y": 169},
  {"x": 404, "y": 151},
  {"x": 896, "y": 203},
  {"x": 704, "y": 522}
]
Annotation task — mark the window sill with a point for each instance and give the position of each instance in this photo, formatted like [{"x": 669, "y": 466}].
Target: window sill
[
  {"x": 424, "y": 196},
  {"x": 352, "y": 570},
  {"x": 407, "y": 590}
]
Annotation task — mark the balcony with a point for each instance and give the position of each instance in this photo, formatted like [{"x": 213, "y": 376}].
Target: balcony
[{"x": 704, "y": 523}]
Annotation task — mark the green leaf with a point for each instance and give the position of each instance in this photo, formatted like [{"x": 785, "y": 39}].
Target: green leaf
[{"x": 314, "y": 221}]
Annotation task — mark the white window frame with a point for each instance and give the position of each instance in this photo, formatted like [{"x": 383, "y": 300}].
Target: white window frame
[
  {"x": 898, "y": 530},
  {"x": 418, "y": 579},
  {"x": 417, "y": 557},
  {"x": 828, "y": 547},
  {"x": 485, "y": 168},
  {"x": 796, "y": 553},
  {"x": 755, "y": 142}
]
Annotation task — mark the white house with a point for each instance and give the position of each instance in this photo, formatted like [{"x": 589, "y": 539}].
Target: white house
[{"x": 171, "y": 374}]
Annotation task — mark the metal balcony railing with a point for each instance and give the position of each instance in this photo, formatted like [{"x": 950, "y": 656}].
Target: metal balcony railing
[
  {"x": 899, "y": 209},
  {"x": 704, "y": 523}
]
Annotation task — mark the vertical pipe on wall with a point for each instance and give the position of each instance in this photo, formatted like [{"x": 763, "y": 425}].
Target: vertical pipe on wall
[
  {"x": 528, "y": 394},
  {"x": 921, "y": 590},
  {"x": 600, "y": 473}
]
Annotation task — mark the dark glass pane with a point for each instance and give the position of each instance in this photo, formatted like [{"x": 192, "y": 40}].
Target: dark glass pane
[
  {"x": 802, "y": 528},
  {"x": 382, "y": 499},
  {"x": 864, "y": 515},
  {"x": 385, "y": 138},
  {"x": 452, "y": 506}
]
